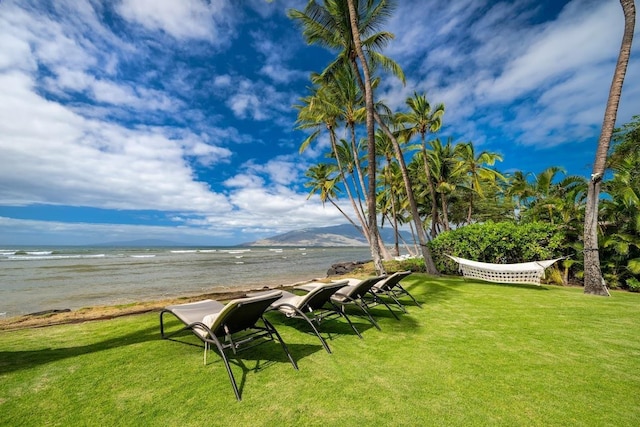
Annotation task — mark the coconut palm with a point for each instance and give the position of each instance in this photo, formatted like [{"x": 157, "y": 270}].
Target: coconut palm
[
  {"x": 351, "y": 27},
  {"x": 409, "y": 185},
  {"x": 318, "y": 111},
  {"x": 477, "y": 174},
  {"x": 422, "y": 119},
  {"x": 322, "y": 180},
  {"x": 446, "y": 175},
  {"x": 520, "y": 190},
  {"x": 353, "y": 36},
  {"x": 593, "y": 281}
]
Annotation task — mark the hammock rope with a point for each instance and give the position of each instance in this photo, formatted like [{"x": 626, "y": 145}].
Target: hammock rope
[{"x": 524, "y": 272}]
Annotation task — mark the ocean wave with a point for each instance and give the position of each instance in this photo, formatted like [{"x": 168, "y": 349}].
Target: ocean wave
[
  {"x": 50, "y": 257},
  {"x": 142, "y": 256},
  {"x": 237, "y": 251}
]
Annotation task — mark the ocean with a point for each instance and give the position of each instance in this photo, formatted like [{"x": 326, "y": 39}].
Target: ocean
[{"x": 39, "y": 279}]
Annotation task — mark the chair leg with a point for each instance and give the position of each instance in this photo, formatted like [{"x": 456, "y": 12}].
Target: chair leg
[
  {"x": 410, "y": 296},
  {"x": 273, "y": 330},
  {"x": 366, "y": 312},
  {"x": 397, "y": 301},
  {"x": 342, "y": 313},
  {"x": 228, "y": 367},
  {"x": 379, "y": 300},
  {"x": 315, "y": 330}
]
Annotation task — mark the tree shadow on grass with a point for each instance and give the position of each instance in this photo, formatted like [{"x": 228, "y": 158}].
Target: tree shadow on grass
[
  {"x": 252, "y": 359},
  {"x": 510, "y": 285},
  {"x": 12, "y": 361},
  {"x": 328, "y": 328},
  {"x": 430, "y": 290},
  {"x": 257, "y": 359}
]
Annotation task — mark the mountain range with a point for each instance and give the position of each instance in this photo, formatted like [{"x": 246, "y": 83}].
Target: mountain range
[{"x": 339, "y": 235}]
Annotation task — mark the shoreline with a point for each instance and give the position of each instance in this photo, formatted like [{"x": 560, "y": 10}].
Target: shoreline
[{"x": 86, "y": 314}]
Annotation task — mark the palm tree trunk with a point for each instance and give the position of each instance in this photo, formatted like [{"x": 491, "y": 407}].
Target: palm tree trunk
[
  {"x": 356, "y": 160},
  {"x": 430, "y": 266},
  {"x": 445, "y": 212},
  {"x": 361, "y": 230},
  {"x": 371, "y": 142},
  {"x": 593, "y": 281},
  {"x": 435, "y": 219},
  {"x": 334, "y": 147}
]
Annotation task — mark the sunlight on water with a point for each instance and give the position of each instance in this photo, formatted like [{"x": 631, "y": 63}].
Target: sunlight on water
[{"x": 37, "y": 279}]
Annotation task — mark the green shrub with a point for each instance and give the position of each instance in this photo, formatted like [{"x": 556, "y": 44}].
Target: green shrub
[
  {"x": 501, "y": 243},
  {"x": 413, "y": 264},
  {"x": 633, "y": 284}
]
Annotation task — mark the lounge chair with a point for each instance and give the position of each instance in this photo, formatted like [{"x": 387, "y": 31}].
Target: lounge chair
[
  {"x": 391, "y": 287},
  {"x": 232, "y": 326},
  {"x": 314, "y": 306},
  {"x": 357, "y": 292}
]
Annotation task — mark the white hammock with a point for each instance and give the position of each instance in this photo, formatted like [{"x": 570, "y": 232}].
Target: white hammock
[{"x": 524, "y": 272}]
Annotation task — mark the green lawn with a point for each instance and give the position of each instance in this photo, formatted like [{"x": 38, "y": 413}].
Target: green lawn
[{"x": 476, "y": 354}]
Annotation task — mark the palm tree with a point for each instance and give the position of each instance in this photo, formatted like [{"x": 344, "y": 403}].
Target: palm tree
[
  {"x": 519, "y": 189},
  {"x": 341, "y": 25},
  {"x": 621, "y": 221},
  {"x": 315, "y": 112},
  {"x": 322, "y": 180},
  {"x": 474, "y": 168},
  {"x": 430, "y": 266},
  {"x": 446, "y": 176},
  {"x": 593, "y": 281},
  {"x": 423, "y": 119},
  {"x": 545, "y": 192},
  {"x": 388, "y": 197}
]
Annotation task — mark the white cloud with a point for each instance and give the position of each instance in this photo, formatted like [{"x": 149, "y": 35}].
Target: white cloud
[
  {"x": 255, "y": 100},
  {"x": 544, "y": 84},
  {"x": 52, "y": 155},
  {"x": 183, "y": 19},
  {"x": 565, "y": 46},
  {"x": 277, "y": 53},
  {"x": 31, "y": 232}
]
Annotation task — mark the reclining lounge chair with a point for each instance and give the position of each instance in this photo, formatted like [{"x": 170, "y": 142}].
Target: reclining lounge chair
[
  {"x": 357, "y": 292},
  {"x": 238, "y": 325},
  {"x": 391, "y": 287},
  {"x": 313, "y": 307}
]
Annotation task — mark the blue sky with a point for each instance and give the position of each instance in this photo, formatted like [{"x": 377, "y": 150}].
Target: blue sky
[{"x": 158, "y": 119}]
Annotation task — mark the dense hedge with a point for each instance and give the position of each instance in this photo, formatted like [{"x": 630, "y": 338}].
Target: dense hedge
[{"x": 503, "y": 243}]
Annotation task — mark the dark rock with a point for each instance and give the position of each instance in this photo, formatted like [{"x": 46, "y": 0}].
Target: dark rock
[{"x": 342, "y": 268}]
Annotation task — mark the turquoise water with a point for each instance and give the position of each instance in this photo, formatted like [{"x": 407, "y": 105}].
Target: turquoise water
[{"x": 37, "y": 279}]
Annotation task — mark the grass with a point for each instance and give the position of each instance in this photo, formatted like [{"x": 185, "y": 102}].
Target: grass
[{"x": 476, "y": 354}]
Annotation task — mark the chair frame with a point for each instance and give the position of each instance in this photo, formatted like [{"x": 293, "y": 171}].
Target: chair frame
[
  {"x": 238, "y": 316},
  {"x": 392, "y": 288},
  {"x": 315, "y": 307},
  {"x": 361, "y": 295}
]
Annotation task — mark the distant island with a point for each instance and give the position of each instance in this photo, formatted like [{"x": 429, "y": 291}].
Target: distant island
[
  {"x": 143, "y": 243},
  {"x": 339, "y": 235}
]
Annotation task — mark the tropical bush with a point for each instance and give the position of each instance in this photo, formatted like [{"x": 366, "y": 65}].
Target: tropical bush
[{"x": 502, "y": 243}]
